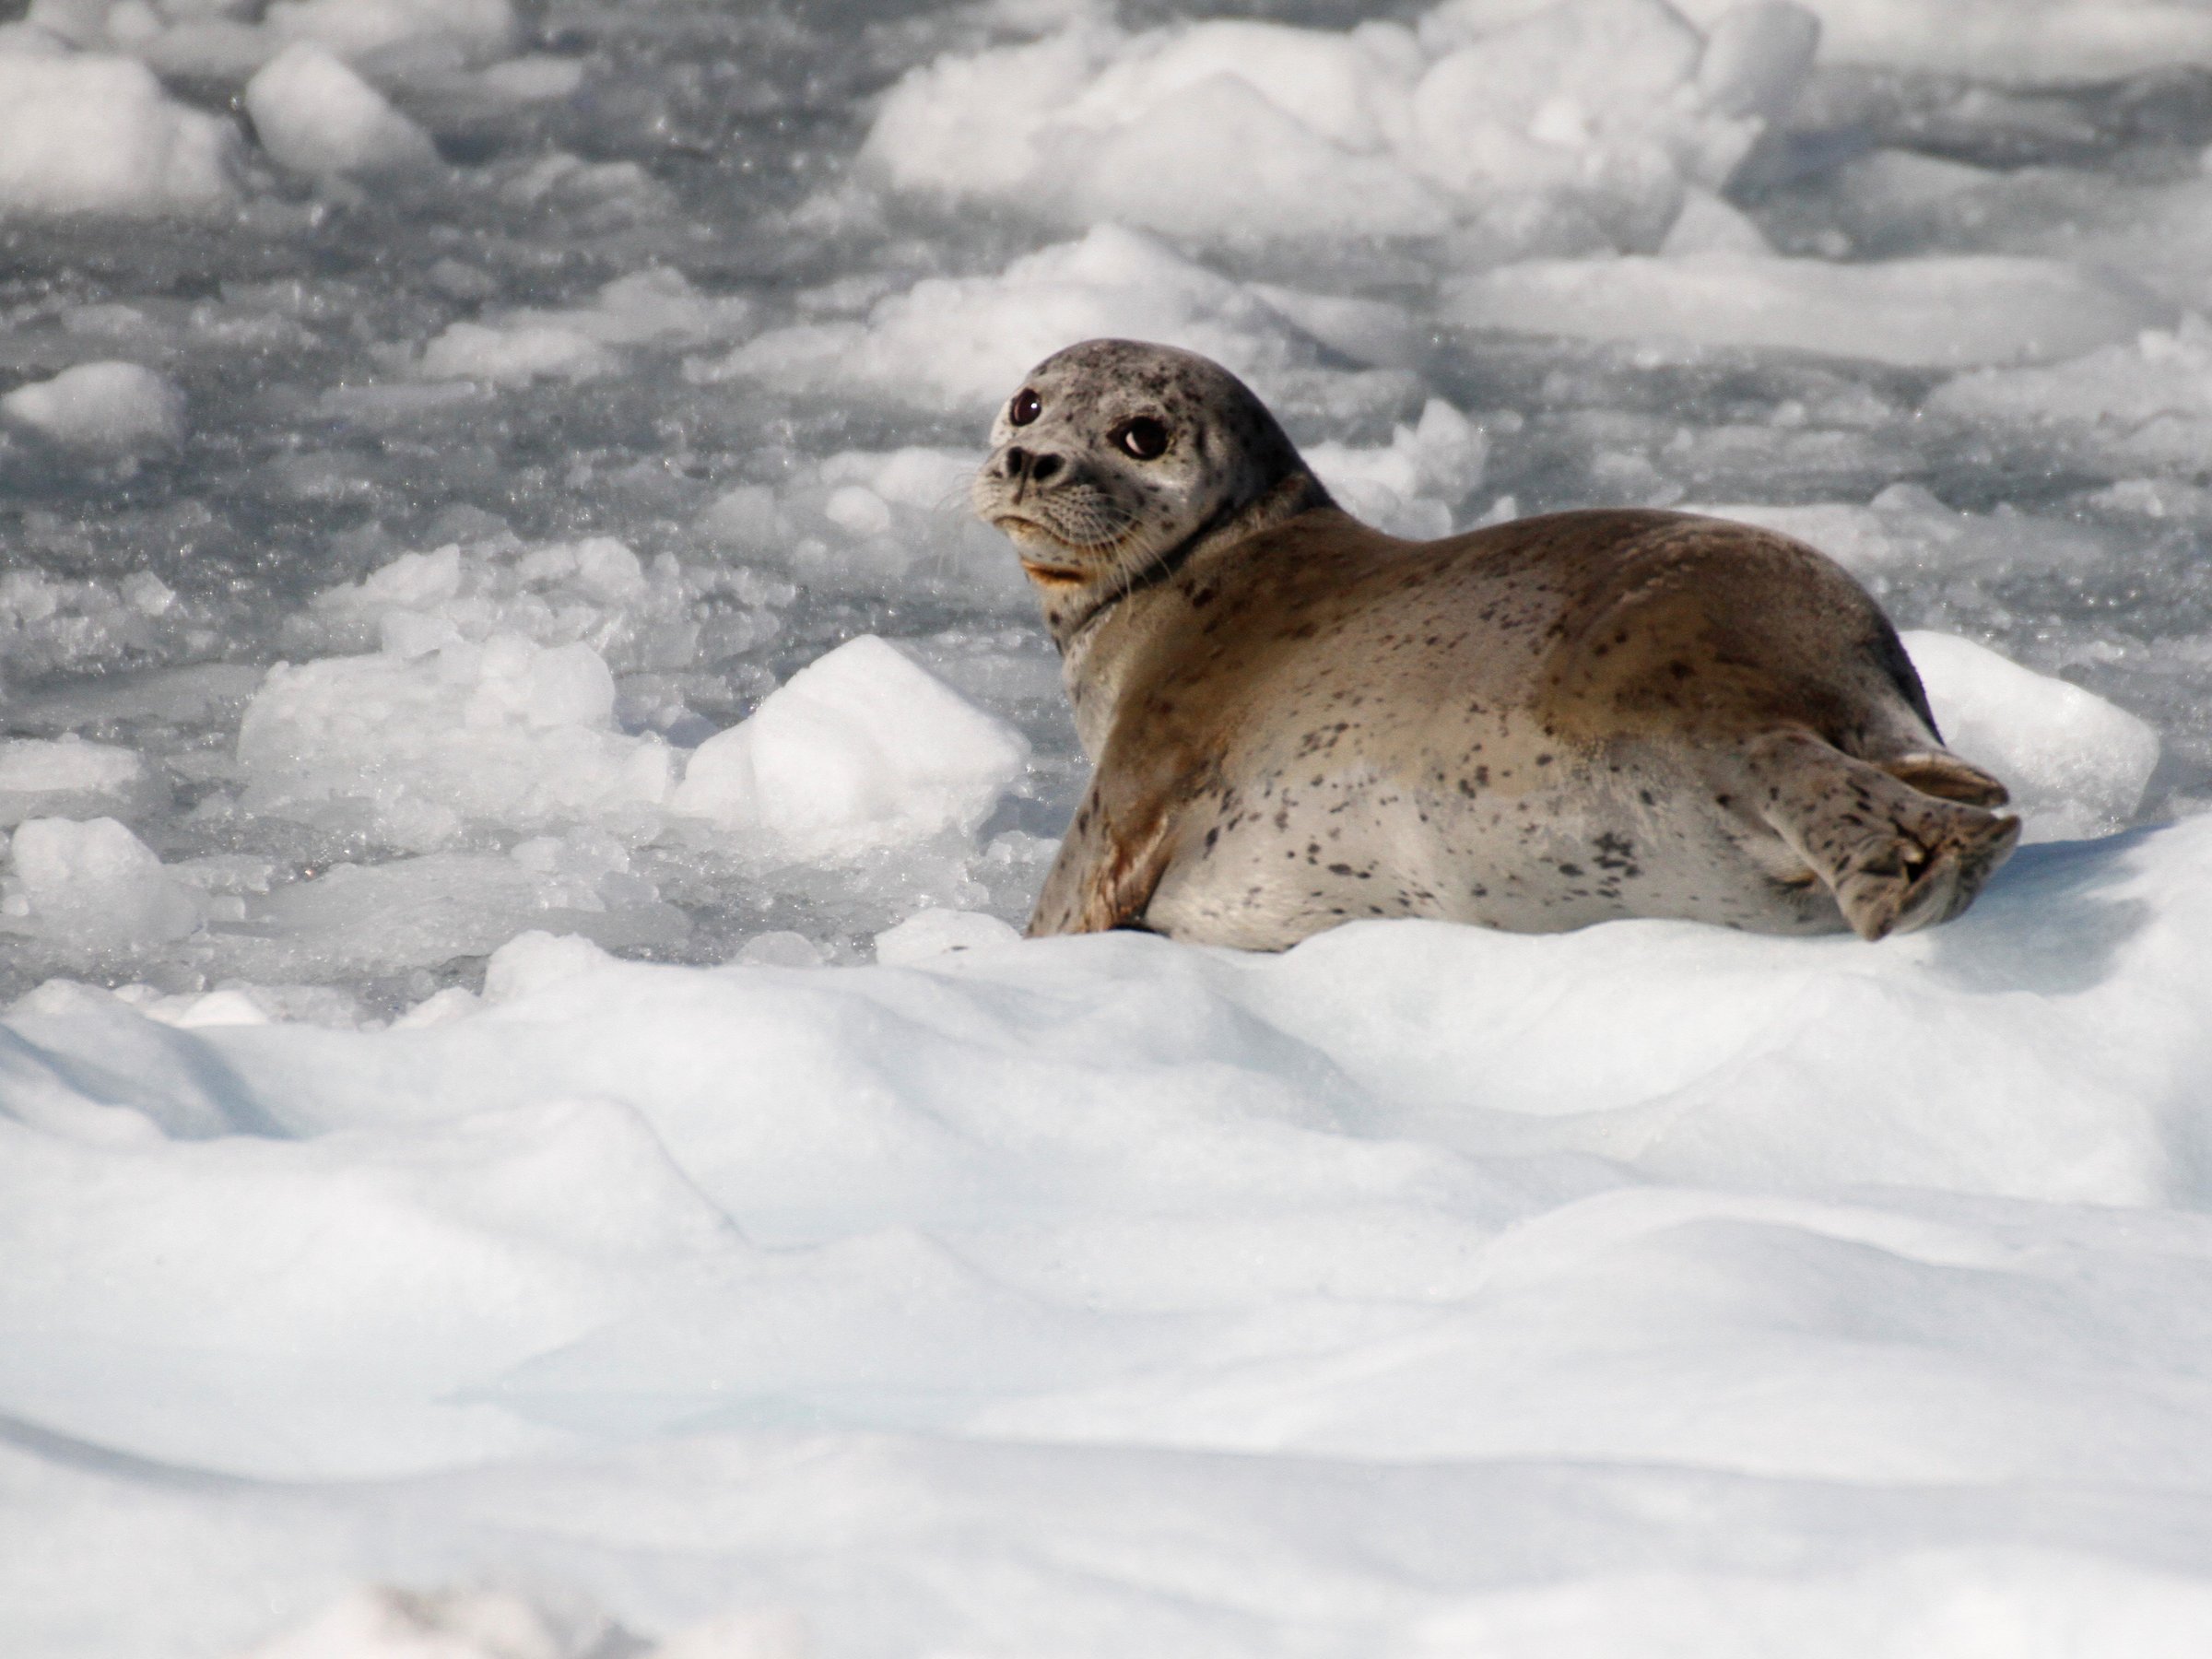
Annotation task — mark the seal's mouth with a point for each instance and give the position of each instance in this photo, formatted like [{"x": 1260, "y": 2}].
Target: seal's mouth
[{"x": 1049, "y": 575}]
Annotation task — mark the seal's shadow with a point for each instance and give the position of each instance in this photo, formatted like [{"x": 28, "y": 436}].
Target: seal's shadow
[{"x": 2049, "y": 921}]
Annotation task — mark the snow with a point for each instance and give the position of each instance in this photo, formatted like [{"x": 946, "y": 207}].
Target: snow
[
  {"x": 1363, "y": 1292},
  {"x": 111, "y": 408},
  {"x": 527, "y": 1127}
]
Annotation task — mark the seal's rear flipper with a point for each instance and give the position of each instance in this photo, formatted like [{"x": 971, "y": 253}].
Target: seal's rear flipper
[
  {"x": 1896, "y": 858},
  {"x": 1940, "y": 772}
]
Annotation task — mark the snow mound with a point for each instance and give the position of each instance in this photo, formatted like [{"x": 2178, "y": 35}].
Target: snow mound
[
  {"x": 96, "y": 135},
  {"x": 934, "y": 933},
  {"x": 1938, "y": 311},
  {"x": 1608, "y": 106},
  {"x": 860, "y": 749},
  {"x": 102, "y": 408},
  {"x": 2077, "y": 765},
  {"x": 315, "y": 115}
]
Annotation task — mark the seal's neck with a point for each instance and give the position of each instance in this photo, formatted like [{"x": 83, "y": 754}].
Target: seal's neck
[{"x": 1098, "y": 640}]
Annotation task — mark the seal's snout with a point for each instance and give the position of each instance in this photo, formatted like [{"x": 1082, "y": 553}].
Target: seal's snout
[{"x": 1024, "y": 467}]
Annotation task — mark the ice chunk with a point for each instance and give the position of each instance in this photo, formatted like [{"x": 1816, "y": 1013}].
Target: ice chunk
[
  {"x": 507, "y": 732},
  {"x": 1756, "y": 57},
  {"x": 1906, "y": 533},
  {"x": 968, "y": 339},
  {"x": 932, "y": 933},
  {"x": 2076, "y": 764},
  {"x": 516, "y": 355},
  {"x": 103, "y": 408},
  {"x": 1413, "y": 485},
  {"x": 1094, "y": 124},
  {"x": 2146, "y": 403},
  {"x": 1708, "y": 225},
  {"x": 1315, "y": 134},
  {"x": 356, "y": 29},
  {"x": 70, "y": 777},
  {"x": 2022, "y": 40},
  {"x": 315, "y": 115},
  {"x": 859, "y": 750},
  {"x": 420, "y": 912},
  {"x": 594, "y": 591},
  {"x": 94, "y": 885},
  {"x": 1951, "y": 310},
  {"x": 97, "y": 135},
  {"x": 529, "y": 961}
]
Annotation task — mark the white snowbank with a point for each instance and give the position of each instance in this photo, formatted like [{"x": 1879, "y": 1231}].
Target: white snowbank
[
  {"x": 932, "y": 933},
  {"x": 859, "y": 750},
  {"x": 2077, "y": 765},
  {"x": 315, "y": 115},
  {"x": 1947, "y": 311},
  {"x": 97, "y": 135},
  {"x": 1610, "y": 106},
  {"x": 1433, "y": 1280},
  {"x": 104, "y": 408}
]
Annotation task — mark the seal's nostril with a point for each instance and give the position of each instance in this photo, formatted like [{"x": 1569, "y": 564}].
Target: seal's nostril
[
  {"x": 1045, "y": 466},
  {"x": 1017, "y": 459}
]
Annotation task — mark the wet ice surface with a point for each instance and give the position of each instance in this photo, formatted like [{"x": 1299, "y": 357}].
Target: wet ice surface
[{"x": 491, "y": 646}]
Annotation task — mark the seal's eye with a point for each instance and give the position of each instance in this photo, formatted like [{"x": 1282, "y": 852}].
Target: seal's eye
[
  {"x": 1027, "y": 405},
  {"x": 1145, "y": 438}
]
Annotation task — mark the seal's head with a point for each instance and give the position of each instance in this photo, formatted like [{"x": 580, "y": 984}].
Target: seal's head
[{"x": 1115, "y": 459}]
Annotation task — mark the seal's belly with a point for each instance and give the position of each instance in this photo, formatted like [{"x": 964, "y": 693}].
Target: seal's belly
[{"x": 1635, "y": 836}]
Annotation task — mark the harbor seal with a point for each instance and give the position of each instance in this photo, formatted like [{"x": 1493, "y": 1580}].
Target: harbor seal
[{"x": 1297, "y": 721}]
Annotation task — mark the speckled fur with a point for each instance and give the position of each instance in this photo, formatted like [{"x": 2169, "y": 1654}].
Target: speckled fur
[{"x": 1297, "y": 721}]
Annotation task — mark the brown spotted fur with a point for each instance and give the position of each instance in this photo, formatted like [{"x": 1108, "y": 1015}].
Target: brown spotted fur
[{"x": 1298, "y": 721}]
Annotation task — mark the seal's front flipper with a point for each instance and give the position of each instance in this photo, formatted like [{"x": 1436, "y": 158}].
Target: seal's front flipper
[
  {"x": 1108, "y": 867},
  {"x": 1896, "y": 858}
]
